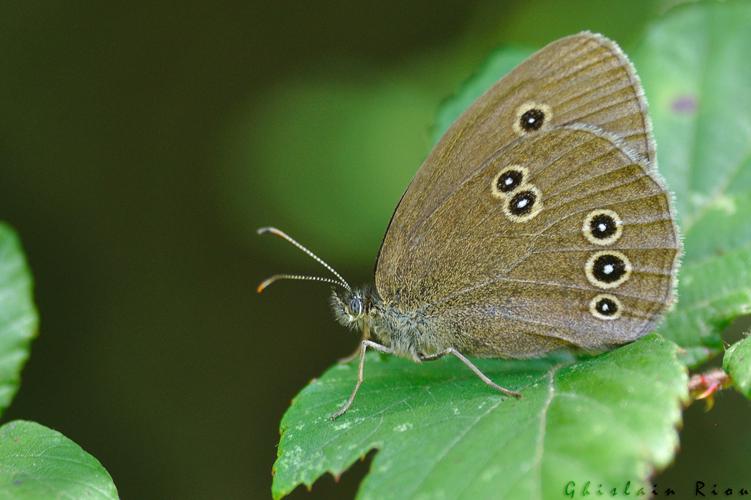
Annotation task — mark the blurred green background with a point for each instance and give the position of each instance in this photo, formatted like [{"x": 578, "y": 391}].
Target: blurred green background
[{"x": 142, "y": 144}]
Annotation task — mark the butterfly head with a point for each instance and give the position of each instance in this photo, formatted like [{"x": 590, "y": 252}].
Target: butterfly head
[{"x": 353, "y": 308}]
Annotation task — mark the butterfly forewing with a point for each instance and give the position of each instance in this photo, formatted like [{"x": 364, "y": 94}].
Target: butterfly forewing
[{"x": 583, "y": 78}]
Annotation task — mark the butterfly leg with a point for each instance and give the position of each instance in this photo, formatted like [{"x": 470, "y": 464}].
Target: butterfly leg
[
  {"x": 471, "y": 366},
  {"x": 360, "y": 373},
  {"x": 346, "y": 359},
  {"x": 356, "y": 352}
]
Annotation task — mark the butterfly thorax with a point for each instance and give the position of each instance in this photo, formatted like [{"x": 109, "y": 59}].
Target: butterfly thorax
[{"x": 409, "y": 333}]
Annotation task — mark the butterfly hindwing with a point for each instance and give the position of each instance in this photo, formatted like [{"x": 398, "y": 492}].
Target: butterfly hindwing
[{"x": 587, "y": 260}]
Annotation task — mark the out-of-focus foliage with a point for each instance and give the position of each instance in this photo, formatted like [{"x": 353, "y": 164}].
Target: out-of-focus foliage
[
  {"x": 693, "y": 66},
  {"x": 18, "y": 318},
  {"x": 737, "y": 362},
  {"x": 38, "y": 463},
  {"x": 35, "y": 462}
]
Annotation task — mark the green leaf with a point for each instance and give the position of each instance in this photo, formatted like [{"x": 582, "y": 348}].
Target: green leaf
[
  {"x": 18, "y": 318},
  {"x": 39, "y": 463},
  {"x": 443, "y": 434},
  {"x": 694, "y": 66},
  {"x": 737, "y": 362}
]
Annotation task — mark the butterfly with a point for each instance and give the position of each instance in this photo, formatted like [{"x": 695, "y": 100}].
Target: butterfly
[{"x": 538, "y": 222}]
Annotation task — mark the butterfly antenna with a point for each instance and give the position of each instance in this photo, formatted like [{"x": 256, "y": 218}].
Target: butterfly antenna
[{"x": 265, "y": 283}]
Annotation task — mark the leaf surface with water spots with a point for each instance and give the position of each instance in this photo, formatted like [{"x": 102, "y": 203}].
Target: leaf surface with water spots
[{"x": 441, "y": 433}]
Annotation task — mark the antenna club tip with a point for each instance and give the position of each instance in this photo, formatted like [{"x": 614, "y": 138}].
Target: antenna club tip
[
  {"x": 264, "y": 284},
  {"x": 268, "y": 229}
]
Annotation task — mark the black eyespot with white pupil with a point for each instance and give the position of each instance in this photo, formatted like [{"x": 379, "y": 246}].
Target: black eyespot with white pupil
[
  {"x": 532, "y": 119},
  {"x": 522, "y": 203},
  {"x": 509, "y": 180},
  {"x": 603, "y": 226},
  {"x": 606, "y": 307},
  {"x": 608, "y": 268}
]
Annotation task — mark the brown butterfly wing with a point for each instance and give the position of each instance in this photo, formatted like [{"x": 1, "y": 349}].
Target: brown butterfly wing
[
  {"x": 584, "y": 78},
  {"x": 497, "y": 284}
]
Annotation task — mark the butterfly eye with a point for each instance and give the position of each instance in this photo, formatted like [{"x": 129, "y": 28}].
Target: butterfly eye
[
  {"x": 355, "y": 306},
  {"x": 607, "y": 269},
  {"x": 606, "y": 307},
  {"x": 602, "y": 227}
]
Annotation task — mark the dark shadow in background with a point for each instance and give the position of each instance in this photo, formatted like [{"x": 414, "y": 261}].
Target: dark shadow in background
[{"x": 155, "y": 354}]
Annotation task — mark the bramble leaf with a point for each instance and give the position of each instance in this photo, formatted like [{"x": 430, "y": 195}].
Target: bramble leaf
[{"x": 441, "y": 433}]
